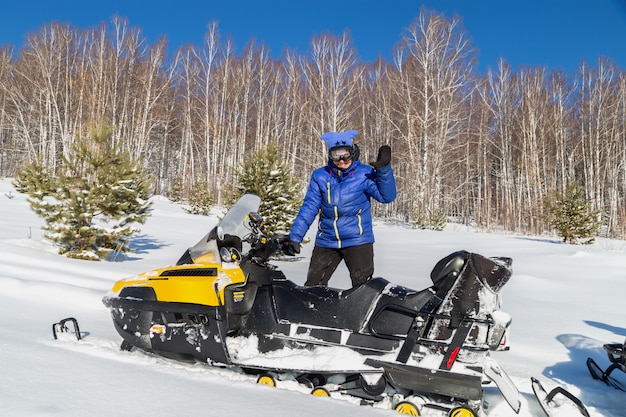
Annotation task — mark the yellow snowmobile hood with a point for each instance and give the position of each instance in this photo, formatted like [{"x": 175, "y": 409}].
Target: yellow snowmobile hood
[{"x": 196, "y": 283}]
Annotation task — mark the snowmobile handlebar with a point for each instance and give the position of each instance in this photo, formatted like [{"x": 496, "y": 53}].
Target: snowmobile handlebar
[{"x": 262, "y": 245}]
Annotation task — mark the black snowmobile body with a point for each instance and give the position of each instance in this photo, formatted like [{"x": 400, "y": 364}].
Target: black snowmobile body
[{"x": 224, "y": 291}]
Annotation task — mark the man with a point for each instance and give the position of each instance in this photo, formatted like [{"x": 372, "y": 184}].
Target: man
[{"x": 341, "y": 192}]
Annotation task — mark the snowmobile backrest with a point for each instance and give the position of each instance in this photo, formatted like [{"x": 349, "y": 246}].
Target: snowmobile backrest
[
  {"x": 448, "y": 268},
  {"x": 476, "y": 292},
  {"x": 474, "y": 295}
]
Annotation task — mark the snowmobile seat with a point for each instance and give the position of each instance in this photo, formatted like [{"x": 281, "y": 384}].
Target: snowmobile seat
[
  {"x": 346, "y": 309},
  {"x": 378, "y": 284}
]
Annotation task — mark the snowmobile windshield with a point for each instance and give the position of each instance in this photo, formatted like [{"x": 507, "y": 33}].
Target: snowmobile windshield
[{"x": 234, "y": 223}]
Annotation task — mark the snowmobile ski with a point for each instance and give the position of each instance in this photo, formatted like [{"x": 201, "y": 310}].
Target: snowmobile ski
[
  {"x": 617, "y": 356},
  {"x": 552, "y": 402},
  {"x": 504, "y": 383},
  {"x": 604, "y": 376},
  {"x": 61, "y": 327}
]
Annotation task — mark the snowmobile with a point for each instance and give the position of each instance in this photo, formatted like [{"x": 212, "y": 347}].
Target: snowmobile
[{"x": 225, "y": 303}]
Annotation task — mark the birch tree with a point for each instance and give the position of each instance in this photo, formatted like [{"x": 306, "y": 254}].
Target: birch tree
[{"x": 435, "y": 85}]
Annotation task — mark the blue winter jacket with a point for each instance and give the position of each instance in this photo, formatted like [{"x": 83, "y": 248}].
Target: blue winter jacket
[{"x": 342, "y": 199}]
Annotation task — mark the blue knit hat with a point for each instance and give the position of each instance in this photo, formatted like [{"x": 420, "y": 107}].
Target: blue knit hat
[{"x": 336, "y": 139}]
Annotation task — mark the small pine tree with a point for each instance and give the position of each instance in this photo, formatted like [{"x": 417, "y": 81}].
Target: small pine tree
[
  {"x": 428, "y": 220},
  {"x": 175, "y": 190},
  {"x": 91, "y": 206},
  {"x": 200, "y": 199},
  {"x": 572, "y": 215},
  {"x": 266, "y": 174}
]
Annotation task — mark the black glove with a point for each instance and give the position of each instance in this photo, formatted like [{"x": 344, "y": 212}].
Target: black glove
[
  {"x": 290, "y": 248},
  {"x": 384, "y": 157}
]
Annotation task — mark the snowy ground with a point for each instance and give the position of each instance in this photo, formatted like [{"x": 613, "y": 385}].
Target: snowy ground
[{"x": 566, "y": 302}]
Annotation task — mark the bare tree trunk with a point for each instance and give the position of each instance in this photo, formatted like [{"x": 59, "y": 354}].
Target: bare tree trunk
[
  {"x": 437, "y": 80},
  {"x": 501, "y": 96},
  {"x": 331, "y": 83}
]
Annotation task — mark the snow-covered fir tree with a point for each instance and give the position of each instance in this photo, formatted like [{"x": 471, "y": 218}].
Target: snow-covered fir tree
[
  {"x": 572, "y": 215},
  {"x": 266, "y": 174},
  {"x": 200, "y": 199},
  {"x": 95, "y": 200}
]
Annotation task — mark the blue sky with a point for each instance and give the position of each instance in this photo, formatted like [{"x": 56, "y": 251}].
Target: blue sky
[{"x": 557, "y": 34}]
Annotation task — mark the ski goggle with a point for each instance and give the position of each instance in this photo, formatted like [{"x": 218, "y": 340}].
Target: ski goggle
[{"x": 340, "y": 154}]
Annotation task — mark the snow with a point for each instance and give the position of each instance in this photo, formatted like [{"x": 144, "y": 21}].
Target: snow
[
  {"x": 565, "y": 302},
  {"x": 319, "y": 359}
]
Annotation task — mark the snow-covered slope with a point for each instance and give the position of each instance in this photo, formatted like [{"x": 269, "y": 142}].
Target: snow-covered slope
[{"x": 566, "y": 301}]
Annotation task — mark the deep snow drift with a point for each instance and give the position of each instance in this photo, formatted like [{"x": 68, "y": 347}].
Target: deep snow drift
[{"x": 566, "y": 302}]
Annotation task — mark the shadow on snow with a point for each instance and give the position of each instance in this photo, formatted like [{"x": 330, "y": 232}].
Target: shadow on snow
[
  {"x": 619, "y": 331},
  {"x": 574, "y": 372},
  {"x": 140, "y": 244}
]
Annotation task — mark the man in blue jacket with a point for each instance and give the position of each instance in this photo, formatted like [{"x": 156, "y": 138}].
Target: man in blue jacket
[{"x": 341, "y": 194}]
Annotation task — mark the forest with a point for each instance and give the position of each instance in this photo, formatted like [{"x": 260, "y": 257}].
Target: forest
[{"x": 483, "y": 149}]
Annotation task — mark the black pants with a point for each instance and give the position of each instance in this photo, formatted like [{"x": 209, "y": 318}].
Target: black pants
[{"x": 324, "y": 261}]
